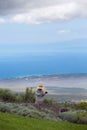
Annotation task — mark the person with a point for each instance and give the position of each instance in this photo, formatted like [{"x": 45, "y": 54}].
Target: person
[{"x": 40, "y": 93}]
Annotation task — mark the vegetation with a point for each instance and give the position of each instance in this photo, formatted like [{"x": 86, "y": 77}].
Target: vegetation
[
  {"x": 29, "y": 95},
  {"x": 14, "y": 122},
  {"x": 82, "y": 105},
  {"x": 8, "y": 96},
  {"x": 48, "y": 101},
  {"x": 28, "y": 110},
  {"x": 24, "y": 104},
  {"x": 78, "y": 116}
]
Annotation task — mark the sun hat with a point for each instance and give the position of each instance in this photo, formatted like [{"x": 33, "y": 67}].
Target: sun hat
[{"x": 40, "y": 86}]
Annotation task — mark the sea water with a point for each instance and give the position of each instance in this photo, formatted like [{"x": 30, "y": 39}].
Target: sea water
[{"x": 42, "y": 65}]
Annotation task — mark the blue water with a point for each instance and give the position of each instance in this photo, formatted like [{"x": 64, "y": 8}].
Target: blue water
[{"x": 43, "y": 65}]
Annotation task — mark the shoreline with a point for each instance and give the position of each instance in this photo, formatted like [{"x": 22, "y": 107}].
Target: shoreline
[
  {"x": 55, "y": 80},
  {"x": 61, "y": 87},
  {"x": 45, "y": 75}
]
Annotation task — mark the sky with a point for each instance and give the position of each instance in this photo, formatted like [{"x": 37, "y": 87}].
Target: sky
[{"x": 47, "y": 28}]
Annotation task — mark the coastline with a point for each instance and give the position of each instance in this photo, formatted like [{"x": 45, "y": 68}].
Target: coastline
[
  {"x": 51, "y": 80},
  {"x": 69, "y": 87}
]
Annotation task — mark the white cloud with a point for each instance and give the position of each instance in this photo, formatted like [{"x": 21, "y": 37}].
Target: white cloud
[
  {"x": 63, "y": 31},
  {"x": 42, "y": 11},
  {"x": 2, "y": 20},
  {"x": 48, "y": 14}
]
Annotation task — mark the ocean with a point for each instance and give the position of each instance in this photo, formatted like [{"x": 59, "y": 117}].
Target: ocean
[{"x": 31, "y": 65}]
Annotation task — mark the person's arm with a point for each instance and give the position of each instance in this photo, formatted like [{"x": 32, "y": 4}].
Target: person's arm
[{"x": 44, "y": 93}]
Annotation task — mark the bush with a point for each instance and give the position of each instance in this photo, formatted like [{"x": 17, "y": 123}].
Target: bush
[
  {"x": 8, "y": 96},
  {"x": 28, "y": 111},
  {"x": 82, "y": 105},
  {"x": 75, "y": 116},
  {"x": 48, "y": 101},
  {"x": 29, "y": 95},
  {"x": 20, "y": 98}
]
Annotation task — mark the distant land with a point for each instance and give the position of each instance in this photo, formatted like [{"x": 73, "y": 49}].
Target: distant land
[{"x": 64, "y": 87}]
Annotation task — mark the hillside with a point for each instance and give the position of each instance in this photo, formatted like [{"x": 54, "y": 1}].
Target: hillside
[{"x": 14, "y": 122}]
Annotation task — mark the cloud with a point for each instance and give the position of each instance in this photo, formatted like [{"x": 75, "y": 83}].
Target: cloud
[
  {"x": 48, "y": 14},
  {"x": 42, "y": 11},
  {"x": 63, "y": 31},
  {"x": 21, "y": 6},
  {"x": 2, "y": 20}
]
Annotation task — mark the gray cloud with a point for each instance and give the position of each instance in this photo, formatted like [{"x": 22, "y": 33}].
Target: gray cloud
[
  {"x": 8, "y": 7},
  {"x": 17, "y": 6},
  {"x": 42, "y": 11}
]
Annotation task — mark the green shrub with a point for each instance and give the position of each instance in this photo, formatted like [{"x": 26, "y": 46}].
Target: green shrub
[
  {"x": 8, "y": 96},
  {"x": 82, "y": 105},
  {"x": 75, "y": 116},
  {"x": 29, "y": 95},
  {"x": 28, "y": 111},
  {"x": 48, "y": 101},
  {"x": 20, "y": 98}
]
